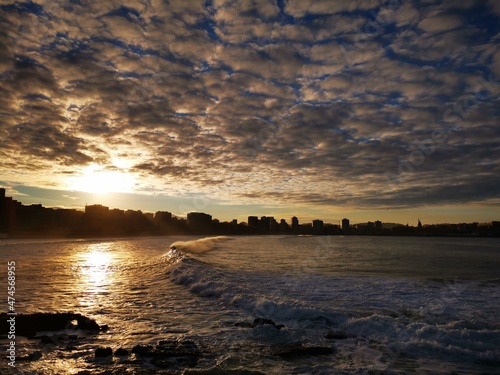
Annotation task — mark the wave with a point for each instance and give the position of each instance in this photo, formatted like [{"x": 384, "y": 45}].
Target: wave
[
  {"x": 244, "y": 290},
  {"x": 380, "y": 314},
  {"x": 198, "y": 246}
]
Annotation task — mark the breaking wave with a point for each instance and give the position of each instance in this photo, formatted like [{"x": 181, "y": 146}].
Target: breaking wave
[{"x": 199, "y": 246}]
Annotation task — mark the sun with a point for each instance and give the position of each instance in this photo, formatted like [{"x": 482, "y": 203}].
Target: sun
[{"x": 99, "y": 180}]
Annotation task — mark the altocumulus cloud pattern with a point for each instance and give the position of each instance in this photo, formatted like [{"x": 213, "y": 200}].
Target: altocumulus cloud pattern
[{"x": 368, "y": 103}]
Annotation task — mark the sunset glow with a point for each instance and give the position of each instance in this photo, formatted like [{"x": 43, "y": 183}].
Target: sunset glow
[{"x": 97, "y": 180}]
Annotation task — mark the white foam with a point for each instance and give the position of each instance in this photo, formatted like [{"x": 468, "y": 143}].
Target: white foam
[
  {"x": 198, "y": 246},
  {"x": 382, "y": 317}
]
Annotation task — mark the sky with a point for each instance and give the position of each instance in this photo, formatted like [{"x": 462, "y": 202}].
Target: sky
[{"x": 371, "y": 110}]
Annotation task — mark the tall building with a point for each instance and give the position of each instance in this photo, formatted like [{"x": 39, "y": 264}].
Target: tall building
[
  {"x": 4, "y": 222},
  {"x": 345, "y": 225},
  {"x": 318, "y": 226},
  {"x": 295, "y": 225},
  {"x": 265, "y": 224},
  {"x": 199, "y": 221},
  {"x": 253, "y": 223}
]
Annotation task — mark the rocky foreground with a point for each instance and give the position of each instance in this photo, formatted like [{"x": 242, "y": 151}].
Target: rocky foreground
[{"x": 74, "y": 335}]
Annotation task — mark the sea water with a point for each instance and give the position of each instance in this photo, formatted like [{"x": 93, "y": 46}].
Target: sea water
[{"x": 381, "y": 304}]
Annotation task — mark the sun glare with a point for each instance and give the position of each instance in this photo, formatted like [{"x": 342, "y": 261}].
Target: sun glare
[
  {"x": 97, "y": 180},
  {"x": 96, "y": 266}
]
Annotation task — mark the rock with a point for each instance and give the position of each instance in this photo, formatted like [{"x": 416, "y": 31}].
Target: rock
[
  {"x": 35, "y": 356},
  {"x": 47, "y": 340},
  {"x": 259, "y": 322},
  {"x": 175, "y": 348},
  {"x": 104, "y": 328},
  {"x": 170, "y": 353},
  {"x": 299, "y": 350},
  {"x": 144, "y": 350},
  {"x": 262, "y": 321},
  {"x": 87, "y": 324},
  {"x": 121, "y": 352},
  {"x": 338, "y": 336},
  {"x": 29, "y": 324},
  {"x": 103, "y": 352}
]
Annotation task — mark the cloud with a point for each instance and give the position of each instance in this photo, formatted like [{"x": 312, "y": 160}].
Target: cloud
[{"x": 316, "y": 100}]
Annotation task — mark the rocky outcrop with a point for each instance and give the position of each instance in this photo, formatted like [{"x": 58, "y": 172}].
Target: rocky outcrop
[
  {"x": 29, "y": 324},
  {"x": 170, "y": 353},
  {"x": 103, "y": 352},
  {"x": 259, "y": 322}
]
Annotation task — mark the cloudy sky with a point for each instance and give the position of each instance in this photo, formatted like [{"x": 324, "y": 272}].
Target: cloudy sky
[{"x": 368, "y": 109}]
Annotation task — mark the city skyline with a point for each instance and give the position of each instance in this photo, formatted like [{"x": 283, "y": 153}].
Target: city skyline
[
  {"x": 18, "y": 219},
  {"x": 374, "y": 110}
]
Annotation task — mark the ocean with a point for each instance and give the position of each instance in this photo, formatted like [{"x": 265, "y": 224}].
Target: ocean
[{"x": 260, "y": 304}]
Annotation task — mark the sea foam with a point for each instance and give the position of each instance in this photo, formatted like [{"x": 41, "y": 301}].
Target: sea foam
[{"x": 198, "y": 246}]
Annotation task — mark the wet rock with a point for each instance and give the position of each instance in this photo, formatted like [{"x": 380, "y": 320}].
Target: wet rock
[
  {"x": 299, "y": 350},
  {"x": 144, "y": 350},
  {"x": 170, "y": 353},
  {"x": 259, "y": 322},
  {"x": 103, "y": 352},
  {"x": 35, "y": 356},
  {"x": 29, "y": 324},
  {"x": 121, "y": 352},
  {"x": 47, "y": 340},
  {"x": 338, "y": 336}
]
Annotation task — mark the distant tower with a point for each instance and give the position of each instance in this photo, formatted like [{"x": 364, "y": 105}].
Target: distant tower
[
  {"x": 345, "y": 225},
  {"x": 295, "y": 225},
  {"x": 419, "y": 224}
]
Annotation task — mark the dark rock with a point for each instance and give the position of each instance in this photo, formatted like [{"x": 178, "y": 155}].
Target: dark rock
[
  {"x": 259, "y": 322},
  {"x": 29, "y": 324},
  {"x": 35, "y": 356},
  {"x": 144, "y": 350},
  {"x": 170, "y": 353},
  {"x": 338, "y": 336},
  {"x": 48, "y": 340},
  {"x": 262, "y": 321},
  {"x": 103, "y": 352},
  {"x": 121, "y": 352},
  {"x": 299, "y": 350},
  {"x": 175, "y": 348},
  {"x": 104, "y": 328},
  {"x": 87, "y": 324}
]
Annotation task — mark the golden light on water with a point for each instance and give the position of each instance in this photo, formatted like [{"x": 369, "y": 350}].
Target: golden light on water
[{"x": 97, "y": 267}]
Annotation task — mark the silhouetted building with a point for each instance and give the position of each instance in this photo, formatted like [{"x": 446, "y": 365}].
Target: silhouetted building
[
  {"x": 295, "y": 225},
  {"x": 265, "y": 224},
  {"x": 96, "y": 220},
  {"x": 96, "y": 210},
  {"x": 345, "y": 225},
  {"x": 163, "y": 216},
  {"x": 199, "y": 222},
  {"x": 284, "y": 226},
  {"x": 4, "y": 222},
  {"x": 378, "y": 226},
  {"x": 253, "y": 224},
  {"x": 318, "y": 226}
]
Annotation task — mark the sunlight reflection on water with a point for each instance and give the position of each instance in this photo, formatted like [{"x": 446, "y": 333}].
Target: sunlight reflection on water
[{"x": 97, "y": 266}]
